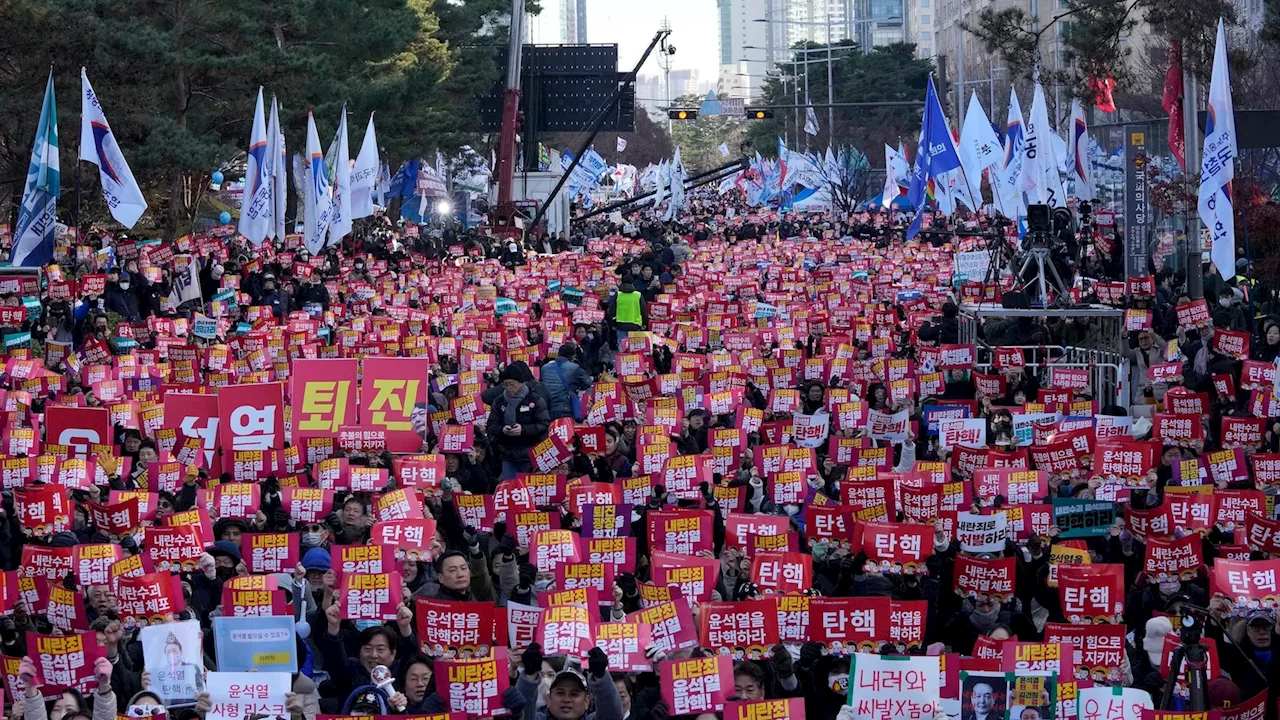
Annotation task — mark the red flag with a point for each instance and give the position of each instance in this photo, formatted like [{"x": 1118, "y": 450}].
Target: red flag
[{"x": 1172, "y": 104}]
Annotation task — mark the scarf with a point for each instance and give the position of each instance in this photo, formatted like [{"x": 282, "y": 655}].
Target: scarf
[
  {"x": 509, "y": 415},
  {"x": 983, "y": 622}
]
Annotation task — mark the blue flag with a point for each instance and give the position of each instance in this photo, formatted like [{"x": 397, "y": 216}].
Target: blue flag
[
  {"x": 936, "y": 154},
  {"x": 33, "y": 237}
]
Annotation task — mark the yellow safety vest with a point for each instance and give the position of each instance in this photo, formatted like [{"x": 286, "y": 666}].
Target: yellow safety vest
[{"x": 628, "y": 309}]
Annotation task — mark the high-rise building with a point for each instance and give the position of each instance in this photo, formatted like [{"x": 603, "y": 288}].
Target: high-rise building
[
  {"x": 919, "y": 26},
  {"x": 744, "y": 46},
  {"x": 561, "y": 22}
]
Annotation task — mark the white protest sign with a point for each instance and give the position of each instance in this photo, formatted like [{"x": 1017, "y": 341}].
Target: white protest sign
[
  {"x": 962, "y": 431},
  {"x": 173, "y": 655},
  {"x": 883, "y": 426},
  {"x": 981, "y": 533},
  {"x": 895, "y": 687},
  {"x": 1113, "y": 703},
  {"x": 810, "y": 431},
  {"x": 972, "y": 265},
  {"x": 238, "y": 695}
]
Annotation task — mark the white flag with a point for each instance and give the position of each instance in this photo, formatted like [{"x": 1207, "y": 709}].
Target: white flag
[
  {"x": 98, "y": 146},
  {"x": 277, "y": 169},
  {"x": 979, "y": 146},
  {"x": 724, "y": 149},
  {"x": 895, "y": 172},
  {"x": 1011, "y": 203},
  {"x": 365, "y": 175},
  {"x": 622, "y": 143},
  {"x": 1218, "y": 163},
  {"x": 256, "y": 203},
  {"x": 186, "y": 279},
  {"x": 340, "y": 225},
  {"x": 1078, "y": 153},
  {"x": 317, "y": 195},
  {"x": 810, "y": 121},
  {"x": 1041, "y": 180}
]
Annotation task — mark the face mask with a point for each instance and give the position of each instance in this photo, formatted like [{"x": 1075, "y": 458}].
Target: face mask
[
  {"x": 1224, "y": 302},
  {"x": 363, "y": 625},
  {"x": 312, "y": 539},
  {"x": 1169, "y": 588},
  {"x": 225, "y": 573},
  {"x": 124, "y": 284},
  {"x": 838, "y": 682},
  {"x": 541, "y": 585}
]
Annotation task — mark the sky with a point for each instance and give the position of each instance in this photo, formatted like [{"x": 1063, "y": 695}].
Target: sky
[{"x": 631, "y": 25}]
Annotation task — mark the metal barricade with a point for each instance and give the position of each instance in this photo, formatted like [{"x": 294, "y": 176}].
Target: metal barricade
[{"x": 1108, "y": 371}]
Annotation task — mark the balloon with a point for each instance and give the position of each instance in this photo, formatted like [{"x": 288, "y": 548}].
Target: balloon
[
  {"x": 225, "y": 217},
  {"x": 217, "y": 177}
]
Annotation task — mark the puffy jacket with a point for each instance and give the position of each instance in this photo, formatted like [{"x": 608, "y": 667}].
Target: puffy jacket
[{"x": 562, "y": 377}]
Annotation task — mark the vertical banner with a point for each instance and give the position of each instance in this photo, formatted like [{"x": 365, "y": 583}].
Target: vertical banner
[
  {"x": 394, "y": 399},
  {"x": 322, "y": 394},
  {"x": 1137, "y": 214},
  {"x": 251, "y": 417}
]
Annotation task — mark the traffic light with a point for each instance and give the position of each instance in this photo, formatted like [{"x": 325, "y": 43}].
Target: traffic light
[
  {"x": 759, "y": 114},
  {"x": 682, "y": 114}
]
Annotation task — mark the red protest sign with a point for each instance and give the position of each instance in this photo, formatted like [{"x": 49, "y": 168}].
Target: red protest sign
[
  {"x": 65, "y": 661},
  {"x": 1248, "y": 584},
  {"x": 680, "y": 531},
  {"x": 625, "y": 643},
  {"x": 43, "y": 511},
  {"x": 782, "y": 709},
  {"x": 270, "y": 552},
  {"x": 174, "y": 548},
  {"x": 253, "y": 602},
  {"x": 393, "y": 395},
  {"x": 50, "y": 563},
  {"x": 149, "y": 598},
  {"x": 369, "y": 596},
  {"x": 410, "y": 538},
  {"x": 1173, "y": 559},
  {"x": 1098, "y": 650},
  {"x": 565, "y": 630},
  {"x": 782, "y": 573},
  {"x": 978, "y": 577},
  {"x": 1091, "y": 593},
  {"x": 93, "y": 563},
  {"x": 746, "y": 629},
  {"x": 672, "y": 624},
  {"x": 456, "y": 629},
  {"x": 306, "y": 505},
  {"x": 697, "y": 685},
  {"x": 848, "y": 625},
  {"x": 474, "y": 687},
  {"x": 897, "y": 547}
]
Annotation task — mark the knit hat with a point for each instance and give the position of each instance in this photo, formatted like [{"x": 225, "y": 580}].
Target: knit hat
[
  {"x": 317, "y": 559},
  {"x": 226, "y": 548},
  {"x": 510, "y": 372},
  {"x": 64, "y": 539},
  {"x": 1153, "y": 643}
]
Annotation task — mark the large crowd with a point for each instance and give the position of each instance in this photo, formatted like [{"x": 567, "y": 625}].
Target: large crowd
[{"x": 639, "y": 473}]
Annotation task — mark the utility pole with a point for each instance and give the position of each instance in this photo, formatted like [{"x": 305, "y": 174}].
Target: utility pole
[
  {"x": 664, "y": 61},
  {"x": 1191, "y": 136},
  {"x": 831, "y": 112}
]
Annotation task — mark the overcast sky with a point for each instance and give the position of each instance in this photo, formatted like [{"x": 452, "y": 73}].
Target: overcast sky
[{"x": 632, "y": 23}]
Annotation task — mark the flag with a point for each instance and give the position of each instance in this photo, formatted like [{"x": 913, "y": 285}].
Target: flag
[
  {"x": 1040, "y": 179},
  {"x": 895, "y": 171},
  {"x": 544, "y": 158},
  {"x": 724, "y": 149},
  {"x": 98, "y": 146},
  {"x": 365, "y": 175},
  {"x": 186, "y": 281},
  {"x": 784, "y": 157},
  {"x": 34, "y": 234},
  {"x": 384, "y": 184},
  {"x": 1011, "y": 204},
  {"x": 277, "y": 169},
  {"x": 936, "y": 155},
  {"x": 1218, "y": 163},
  {"x": 661, "y": 177},
  {"x": 317, "y": 194},
  {"x": 676, "y": 172},
  {"x": 340, "y": 224},
  {"x": 256, "y": 203},
  {"x": 810, "y": 121},
  {"x": 1081, "y": 173},
  {"x": 1172, "y": 104},
  {"x": 622, "y": 143},
  {"x": 979, "y": 147}
]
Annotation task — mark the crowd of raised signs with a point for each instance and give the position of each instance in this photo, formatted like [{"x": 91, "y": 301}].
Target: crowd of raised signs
[{"x": 738, "y": 467}]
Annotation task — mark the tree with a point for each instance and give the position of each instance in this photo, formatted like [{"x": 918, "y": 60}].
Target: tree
[
  {"x": 1093, "y": 40},
  {"x": 886, "y": 74},
  {"x": 647, "y": 144},
  {"x": 700, "y": 139},
  {"x": 847, "y": 179},
  {"x": 177, "y": 79}
]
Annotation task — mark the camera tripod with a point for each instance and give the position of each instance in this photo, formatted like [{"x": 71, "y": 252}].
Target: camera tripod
[
  {"x": 1038, "y": 288},
  {"x": 1196, "y": 656}
]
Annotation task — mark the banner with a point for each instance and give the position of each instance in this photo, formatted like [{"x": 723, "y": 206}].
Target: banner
[
  {"x": 251, "y": 417},
  {"x": 697, "y": 685},
  {"x": 393, "y": 396},
  {"x": 1099, "y": 650}
]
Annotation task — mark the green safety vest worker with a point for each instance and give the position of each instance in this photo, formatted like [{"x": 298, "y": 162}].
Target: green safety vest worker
[{"x": 627, "y": 310}]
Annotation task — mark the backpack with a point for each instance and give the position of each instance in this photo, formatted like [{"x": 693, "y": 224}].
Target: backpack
[{"x": 575, "y": 402}]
